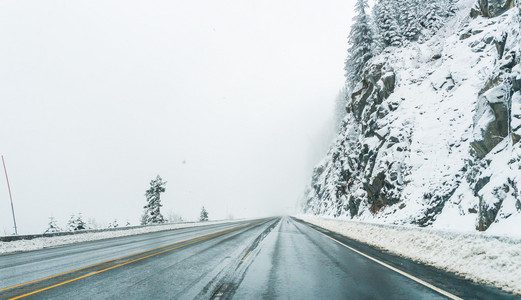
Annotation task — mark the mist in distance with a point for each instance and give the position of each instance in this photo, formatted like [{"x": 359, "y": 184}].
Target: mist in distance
[{"x": 230, "y": 102}]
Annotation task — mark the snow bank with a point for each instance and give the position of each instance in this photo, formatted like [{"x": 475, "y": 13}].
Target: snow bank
[
  {"x": 476, "y": 256},
  {"x": 46, "y": 242}
]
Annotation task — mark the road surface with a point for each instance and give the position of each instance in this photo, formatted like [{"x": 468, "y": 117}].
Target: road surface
[{"x": 273, "y": 258}]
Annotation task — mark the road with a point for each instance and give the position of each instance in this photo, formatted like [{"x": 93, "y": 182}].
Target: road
[{"x": 273, "y": 258}]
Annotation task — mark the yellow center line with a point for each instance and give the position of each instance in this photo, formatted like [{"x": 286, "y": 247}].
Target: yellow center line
[
  {"x": 184, "y": 243},
  {"x": 93, "y": 265},
  {"x": 246, "y": 256}
]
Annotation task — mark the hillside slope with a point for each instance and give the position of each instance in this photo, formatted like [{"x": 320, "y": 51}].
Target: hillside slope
[{"x": 432, "y": 131}]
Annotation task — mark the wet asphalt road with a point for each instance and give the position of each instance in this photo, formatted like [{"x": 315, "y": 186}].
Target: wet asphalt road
[{"x": 274, "y": 258}]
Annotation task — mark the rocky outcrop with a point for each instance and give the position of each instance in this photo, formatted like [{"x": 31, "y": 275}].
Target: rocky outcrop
[
  {"x": 351, "y": 177},
  {"x": 516, "y": 108},
  {"x": 420, "y": 144},
  {"x": 491, "y": 120},
  {"x": 491, "y": 8}
]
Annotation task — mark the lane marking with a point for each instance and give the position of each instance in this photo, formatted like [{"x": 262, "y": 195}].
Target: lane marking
[
  {"x": 107, "y": 261},
  {"x": 418, "y": 280},
  {"x": 184, "y": 243},
  {"x": 93, "y": 265},
  {"x": 246, "y": 256}
]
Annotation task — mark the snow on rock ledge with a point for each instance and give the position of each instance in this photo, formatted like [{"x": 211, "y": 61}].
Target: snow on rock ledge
[
  {"x": 432, "y": 131},
  {"x": 476, "y": 256}
]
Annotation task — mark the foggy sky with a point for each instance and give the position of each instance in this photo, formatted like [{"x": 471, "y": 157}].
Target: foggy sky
[{"x": 229, "y": 101}]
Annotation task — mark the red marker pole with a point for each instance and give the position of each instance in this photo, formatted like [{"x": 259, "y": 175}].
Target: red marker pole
[{"x": 10, "y": 197}]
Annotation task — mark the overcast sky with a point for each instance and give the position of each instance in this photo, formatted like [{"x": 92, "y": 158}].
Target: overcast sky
[{"x": 229, "y": 101}]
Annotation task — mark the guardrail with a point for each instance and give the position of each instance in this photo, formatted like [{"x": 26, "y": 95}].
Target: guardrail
[{"x": 11, "y": 238}]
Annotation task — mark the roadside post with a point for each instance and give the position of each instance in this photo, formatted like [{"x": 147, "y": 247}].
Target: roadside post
[{"x": 10, "y": 197}]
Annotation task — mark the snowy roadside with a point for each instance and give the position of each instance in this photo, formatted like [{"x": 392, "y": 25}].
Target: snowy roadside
[
  {"x": 53, "y": 241},
  {"x": 478, "y": 257}
]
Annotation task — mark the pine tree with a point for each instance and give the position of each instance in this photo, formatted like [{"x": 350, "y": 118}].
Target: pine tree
[
  {"x": 114, "y": 224},
  {"x": 409, "y": 24},
  {"x": 52, "y": 227},
  {"x": 451, "y": 8},
  {"x": 340, "y": 107},
  {"x": 378, "y": 45},
  {"x": 388, "y": 23},
  {"x": 204, "y": 215},
  {"x": 80, "y": 224},
  {"x": 76, "y": 223},
  {"x": 152, "y": 214},
  {"x": 433, "y": 15},
  {"x": 361, "y": 43}
]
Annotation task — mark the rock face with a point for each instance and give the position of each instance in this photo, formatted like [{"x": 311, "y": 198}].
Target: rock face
[
  {"x": 432, "y": 131},
  {"x": 355, "y": 152},
  {"x": 492, "y": 8},
  {"x": 491, "y": 122}
]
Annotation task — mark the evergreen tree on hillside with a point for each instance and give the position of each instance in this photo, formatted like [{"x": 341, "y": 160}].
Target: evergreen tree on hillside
[
  {"x": 409, "y": 24},
  {"x": 387, "y": 23},
  {"x": 152, "y": 214},
  {"x": 52, "y": 227},
  {"x": 361, "y": 43},
  {"x": 340, "y": 107},
  {"x": 433, "y": 14},
  {"x": 377, "y": 37},
  {"x": 451, "y": 7},
  {"x": 204, "y": 215}
]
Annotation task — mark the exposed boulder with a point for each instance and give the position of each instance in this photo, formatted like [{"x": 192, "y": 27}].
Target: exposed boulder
[
  {"x": 465, "y": 35},
  {"x": 388, "y": 80},
  {"x": 500, "y": 44},
  {"x": 480, "y": 183},
  {"x": 516, "y": 117},
  {"x": 376, "y": 86},
  {"x": 492, "y": 8},
  {"x": 379, "y": 193},
  {"x": 491, "y": 120},
  {"x": 516, "y": 82},
  {"x": 475, "y": 12},
  {"x": 487, "y": 213}
]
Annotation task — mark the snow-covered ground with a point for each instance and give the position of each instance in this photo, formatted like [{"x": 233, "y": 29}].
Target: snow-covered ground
[
  {"x": 480, "y": 257},
  {"x": 46, "y": 242}
]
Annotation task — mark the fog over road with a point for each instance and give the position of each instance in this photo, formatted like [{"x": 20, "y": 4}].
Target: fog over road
[{"x": 256, "y": 259}]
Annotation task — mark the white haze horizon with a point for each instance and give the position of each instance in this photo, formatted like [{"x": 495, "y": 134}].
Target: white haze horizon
[{"x": 229, "y": 102}]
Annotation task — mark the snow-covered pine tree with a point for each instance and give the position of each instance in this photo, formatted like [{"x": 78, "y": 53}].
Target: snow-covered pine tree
[
  {"x": 152, "y": 214},
  {"x": 387, "y": 22},
  {"x": 340, "y": 107},
  {"x": 52, "y": 227},
  {"x": 361, "y": 43},
  {"x": 377, "y": 33},
  {"x": 451, "y": 7},
  {"x": 76, "y": 223},
  {"x": 409, "y": 24},
  {"x": 432, "y": 15},
  {"x": 114, "y": 224},
  {"x": 204, "y": 215},
  {"x": 80, "y": 224},
  {"x": 71, "y": 224}
]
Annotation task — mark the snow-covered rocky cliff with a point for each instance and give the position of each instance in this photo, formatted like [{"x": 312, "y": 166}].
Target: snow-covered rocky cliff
[{"x": 432, "y": 131}]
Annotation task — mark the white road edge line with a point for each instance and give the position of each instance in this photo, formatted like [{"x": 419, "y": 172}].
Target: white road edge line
[{"x": 418, "y": 280}]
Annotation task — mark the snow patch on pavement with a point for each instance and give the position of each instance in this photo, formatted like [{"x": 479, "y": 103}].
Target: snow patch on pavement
[
  {"x": 47, "y": 242},
  {"x": 480, "y": 257}
]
